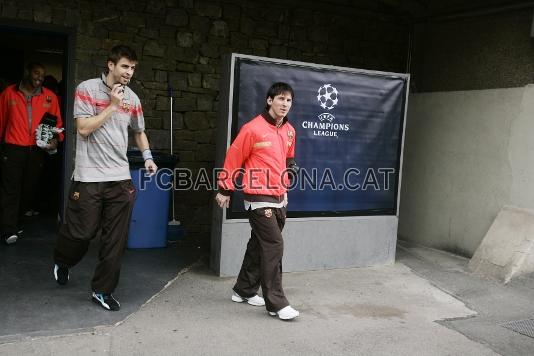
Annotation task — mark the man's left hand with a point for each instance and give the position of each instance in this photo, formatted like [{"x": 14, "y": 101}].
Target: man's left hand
[{"x": 150, "y": 167}]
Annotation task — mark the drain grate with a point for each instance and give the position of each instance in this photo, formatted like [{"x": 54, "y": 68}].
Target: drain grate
[{"x": 525, "y": 327}]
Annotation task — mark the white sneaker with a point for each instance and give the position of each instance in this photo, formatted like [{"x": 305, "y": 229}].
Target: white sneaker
[
  {"x": 11, "y": 239},
  {"x": 256, "y": 300},
  {"x": 286, "y": 313},
  {"x": 31, "y": 212}
]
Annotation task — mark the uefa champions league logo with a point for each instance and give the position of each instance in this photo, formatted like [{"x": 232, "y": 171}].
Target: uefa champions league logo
[{"x": 327, "y": 96}]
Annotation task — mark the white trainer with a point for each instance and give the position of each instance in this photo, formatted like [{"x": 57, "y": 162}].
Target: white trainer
[
  {"x": 11, "y": 239},
  {"x": 287, "y": 313},
  {"x": 256, "y": 300}
]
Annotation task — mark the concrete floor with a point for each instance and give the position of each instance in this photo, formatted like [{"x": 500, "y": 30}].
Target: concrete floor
[
  {"x": 424, "y": 304},
  {"x": 34, "y": 304}
]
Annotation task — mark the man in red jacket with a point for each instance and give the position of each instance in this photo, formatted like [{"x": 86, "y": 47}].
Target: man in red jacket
[
  {"x": 22, "y": 108},
  {"x": 266, "y": 147}
]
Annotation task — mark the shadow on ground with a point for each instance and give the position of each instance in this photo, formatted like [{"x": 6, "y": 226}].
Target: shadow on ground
[{"x": 33, "y": 303}]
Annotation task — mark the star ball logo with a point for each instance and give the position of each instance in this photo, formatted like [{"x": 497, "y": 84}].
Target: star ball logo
[{"x": 328, "y": 98}]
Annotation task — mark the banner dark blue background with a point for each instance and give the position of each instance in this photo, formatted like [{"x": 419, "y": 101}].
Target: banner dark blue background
[{"x": 365, "y": 128}]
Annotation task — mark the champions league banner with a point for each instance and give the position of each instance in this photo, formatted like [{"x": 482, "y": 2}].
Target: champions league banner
[{"x": 349, "y": 126}]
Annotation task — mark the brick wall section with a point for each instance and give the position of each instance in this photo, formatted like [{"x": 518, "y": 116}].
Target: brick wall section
[{"x": 180, "y": 42}]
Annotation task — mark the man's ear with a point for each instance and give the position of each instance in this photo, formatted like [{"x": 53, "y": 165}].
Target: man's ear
[
  {"x": 111, "y": 65},
  {"x": 269, "y": 101}
]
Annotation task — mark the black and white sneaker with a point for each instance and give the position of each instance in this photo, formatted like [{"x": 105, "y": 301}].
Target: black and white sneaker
[
  {"x": 10, "y": 238},
  {"x": 61, "y": 274},
  {"x": 106, "y": 301}
]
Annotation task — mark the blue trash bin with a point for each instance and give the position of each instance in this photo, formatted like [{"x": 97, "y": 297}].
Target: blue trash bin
[{"x": 150, "y": 216}]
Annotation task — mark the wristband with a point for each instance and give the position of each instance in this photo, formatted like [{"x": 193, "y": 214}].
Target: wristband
[{"x": 147, "y": 154}]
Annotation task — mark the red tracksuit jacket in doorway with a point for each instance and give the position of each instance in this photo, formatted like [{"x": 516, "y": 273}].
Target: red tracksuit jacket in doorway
[{"x": 14, "y": 122}]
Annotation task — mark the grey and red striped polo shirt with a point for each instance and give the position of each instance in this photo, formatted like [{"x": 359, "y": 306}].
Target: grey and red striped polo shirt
[{"x": 101, "y": 157}]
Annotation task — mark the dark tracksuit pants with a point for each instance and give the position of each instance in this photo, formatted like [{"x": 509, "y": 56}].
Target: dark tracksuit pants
[
  {"x": 94, "y": 207},
  {"x": 262, "y": 264},
  {"x": 21, "y": 168}
]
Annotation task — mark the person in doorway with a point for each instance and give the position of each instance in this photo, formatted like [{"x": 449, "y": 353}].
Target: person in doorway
[
  {"x": 22, "y": 108},
  {"x": 101, "y": 194},
  {"x": 266, "y": 147}
]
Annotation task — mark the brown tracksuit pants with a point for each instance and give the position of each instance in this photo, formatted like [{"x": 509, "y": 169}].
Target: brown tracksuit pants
[
  {"x": 262, "y": 264},
  {"x": 94, "y": 207}
]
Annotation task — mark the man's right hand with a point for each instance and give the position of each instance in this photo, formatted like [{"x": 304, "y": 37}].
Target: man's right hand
[
  {"x": 87, "y": 125},
  {"x": 222, "y": 200},
  {"x": 117, "y": 94}
]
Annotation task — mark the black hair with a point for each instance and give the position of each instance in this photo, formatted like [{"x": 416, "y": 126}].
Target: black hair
[
  {"x": 31, "y": 65},
  {"x": 277, "y": 89},
  {"x": 121, "y": 51}
]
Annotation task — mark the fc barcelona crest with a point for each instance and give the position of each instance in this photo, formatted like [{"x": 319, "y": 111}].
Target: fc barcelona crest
[
  {"x": 290, "y": 136},
  {"x": 126, "y": 107}
]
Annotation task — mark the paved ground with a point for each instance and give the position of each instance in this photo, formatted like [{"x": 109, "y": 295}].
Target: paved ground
[{"x": 391, "y": 310}]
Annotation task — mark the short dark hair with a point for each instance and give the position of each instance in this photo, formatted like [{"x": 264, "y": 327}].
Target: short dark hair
[
  {"x": 277, "y": 89},
  {"x": 31, "y": 65},
  {"x": 122, "y": 51}
]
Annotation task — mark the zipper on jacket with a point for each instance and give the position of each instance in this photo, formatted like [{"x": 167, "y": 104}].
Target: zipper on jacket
[{"x": 29, "y": 110}]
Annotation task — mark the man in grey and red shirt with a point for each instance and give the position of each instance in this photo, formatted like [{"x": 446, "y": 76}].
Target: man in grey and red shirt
[
  {"x": 266, "y": 147},
  {"x": 102, "y": 195}
]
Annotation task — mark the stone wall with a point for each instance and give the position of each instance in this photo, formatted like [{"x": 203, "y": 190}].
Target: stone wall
[
  {"x": 482, "y": 51},
  {"x": 180, "y": 42}
]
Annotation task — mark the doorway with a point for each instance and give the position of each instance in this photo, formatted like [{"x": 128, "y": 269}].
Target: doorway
[{"x": 51, "y": 47}]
